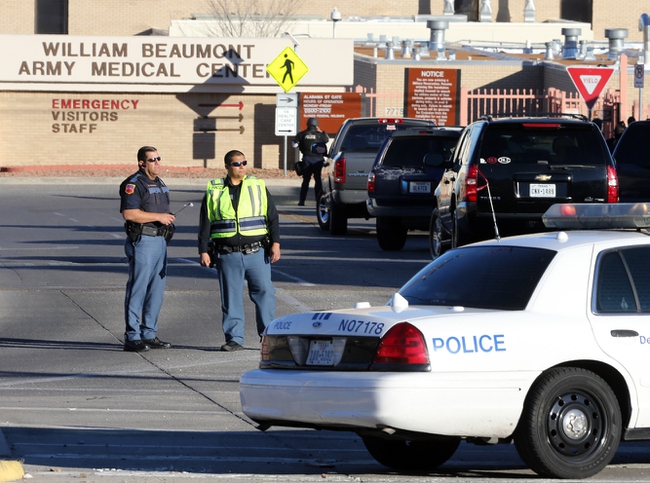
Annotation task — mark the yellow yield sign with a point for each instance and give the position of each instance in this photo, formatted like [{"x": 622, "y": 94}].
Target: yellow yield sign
[{"x": 287, "y": 69}]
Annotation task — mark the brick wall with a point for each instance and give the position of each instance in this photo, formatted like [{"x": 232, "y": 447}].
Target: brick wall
[
  {"x": 17, "y": 17},
  {"x": 98, "y": 133}
]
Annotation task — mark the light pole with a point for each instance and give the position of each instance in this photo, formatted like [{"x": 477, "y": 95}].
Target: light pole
[{"x": 335, "y": 16}]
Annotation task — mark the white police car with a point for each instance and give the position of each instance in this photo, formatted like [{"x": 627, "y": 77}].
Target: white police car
[{"x": 539, "y": 339}]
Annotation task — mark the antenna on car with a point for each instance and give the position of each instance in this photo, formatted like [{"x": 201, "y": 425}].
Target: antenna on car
[{"x": 494, "y": 216}]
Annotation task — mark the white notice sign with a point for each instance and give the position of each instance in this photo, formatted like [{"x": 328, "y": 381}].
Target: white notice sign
[{"x": 286, "y": 119}]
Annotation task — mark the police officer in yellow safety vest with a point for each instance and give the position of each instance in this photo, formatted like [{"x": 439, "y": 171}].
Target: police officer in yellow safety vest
[{"x": 239, "y": 233}]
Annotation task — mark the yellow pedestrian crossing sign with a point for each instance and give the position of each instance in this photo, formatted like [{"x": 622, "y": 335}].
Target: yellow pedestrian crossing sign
[{"x": 287, "y": 69}]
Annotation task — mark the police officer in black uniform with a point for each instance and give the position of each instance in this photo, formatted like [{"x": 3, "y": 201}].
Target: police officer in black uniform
[
  {"x": 149, "y": 227},
  {"x": 313, "y": 163}
]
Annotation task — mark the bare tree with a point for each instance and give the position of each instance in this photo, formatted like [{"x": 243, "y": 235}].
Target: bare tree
[{"x": 251, "y": 18}]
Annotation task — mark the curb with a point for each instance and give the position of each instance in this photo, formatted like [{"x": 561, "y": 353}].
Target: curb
[{"x": 10, "y": 470}]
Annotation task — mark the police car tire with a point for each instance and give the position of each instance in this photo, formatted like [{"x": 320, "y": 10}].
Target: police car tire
[
  {"x": 438, "y": 236},
  {"x": 323, "y": 211},
  {"x": 541, "y": 439},
  {"x": 411, "y": 455}
]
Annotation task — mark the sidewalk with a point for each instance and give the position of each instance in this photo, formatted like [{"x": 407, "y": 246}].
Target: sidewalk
[{"x": 10, "y": 470}]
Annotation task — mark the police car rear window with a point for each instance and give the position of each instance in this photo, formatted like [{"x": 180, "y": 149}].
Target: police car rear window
[{"x": 495, "y": 277}]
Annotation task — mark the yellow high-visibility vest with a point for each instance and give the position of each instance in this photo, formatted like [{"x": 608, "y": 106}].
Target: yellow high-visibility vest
[{"x": 250, "y": 217}]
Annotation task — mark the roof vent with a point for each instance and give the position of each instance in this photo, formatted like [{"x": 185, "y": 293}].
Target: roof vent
[
  {"x": 529, "y": 12},
  {"x": 549, "y": 50},
  {"x": 644, "y": 26},
  {"x": 485, "y": 14},
  {"x": 616, "y": 41},
  {"x": 390, "y": 54},
  {"x": 437, "y": 39},
  {"x": 570, "y": 50}
]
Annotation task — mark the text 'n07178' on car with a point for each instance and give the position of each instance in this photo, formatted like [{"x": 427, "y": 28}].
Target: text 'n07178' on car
[{"x": 451, "y": 356}]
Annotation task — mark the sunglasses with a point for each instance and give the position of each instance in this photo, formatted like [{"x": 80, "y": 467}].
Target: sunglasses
[
  {"x": 153, "y": 160},
  {"x": 237, "y": 164}
]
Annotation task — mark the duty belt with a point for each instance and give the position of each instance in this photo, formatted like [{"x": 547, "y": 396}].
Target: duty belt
[
  {"x": 151, "y": 231},
  {"x": 246, "y": 249}
]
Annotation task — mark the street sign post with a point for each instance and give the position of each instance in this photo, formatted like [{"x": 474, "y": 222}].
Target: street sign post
[
  {"x": 639, "y": 80},
  {"x": 590, "y": 82},
  {"x": 286, "y": 119}
]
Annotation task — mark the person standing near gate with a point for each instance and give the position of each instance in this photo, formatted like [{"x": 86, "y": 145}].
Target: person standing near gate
[
  {"x": 239, "y": 233},
  {"x": 313, "y": 163},
  {"x": 149, "y": 227}
]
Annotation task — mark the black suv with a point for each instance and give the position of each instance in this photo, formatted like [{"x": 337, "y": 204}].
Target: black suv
[
  {"x": 633, "y": 162},
  {"x": 507, "y": 172},
  {"x": 346, "y": 170},
  {"x": 407, "y": 169}
]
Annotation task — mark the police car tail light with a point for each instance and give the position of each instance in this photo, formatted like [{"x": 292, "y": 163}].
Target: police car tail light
[
  {"x": 565, "y": 216},
  {"x": 612, "y": 185},
  {"x": 402, "y": 344},
  {"x": 471, "y": 183},
  {"x": 371, "y": 182},
  {"x": 339, "y": 170}
]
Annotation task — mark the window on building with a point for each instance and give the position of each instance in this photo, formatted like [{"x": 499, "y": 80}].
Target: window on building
[
  {"x": 51, "y": 16},
  {"x": 577, "y": 10}
]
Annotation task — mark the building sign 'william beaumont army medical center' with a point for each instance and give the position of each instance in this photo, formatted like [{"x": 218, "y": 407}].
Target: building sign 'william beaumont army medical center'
[
  {"x": 105, "y": 92},
  {"x": 131, "y": 63}
]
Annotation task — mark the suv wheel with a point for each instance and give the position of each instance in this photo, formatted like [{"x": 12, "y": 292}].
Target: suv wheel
[
  {"x": 438, "y": 235},
  {"x": 323, "y": 211},
  {"x": 338, "y": 220},
  {"x": 391, "y": 235}
]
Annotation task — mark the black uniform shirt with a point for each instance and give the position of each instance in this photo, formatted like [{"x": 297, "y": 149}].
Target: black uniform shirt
[{"x": 139, "y": 192}]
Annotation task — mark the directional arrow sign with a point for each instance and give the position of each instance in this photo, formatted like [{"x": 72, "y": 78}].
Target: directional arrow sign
[
  {"x": 286, "y": 100},
  {"x": 590, "y": 81}
]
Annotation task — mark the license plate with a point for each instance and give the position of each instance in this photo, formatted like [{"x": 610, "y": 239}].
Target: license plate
[
  {"x": 321, "y": 353},
  {"x": 542, "y": 191},
  {"x": 419, "y": 187}
]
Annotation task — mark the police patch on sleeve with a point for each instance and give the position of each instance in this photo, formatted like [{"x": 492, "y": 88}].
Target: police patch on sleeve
[{"x": 129, "y": 189}]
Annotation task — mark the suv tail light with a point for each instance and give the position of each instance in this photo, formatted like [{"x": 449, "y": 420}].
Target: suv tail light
[
  {"x": 339, "y": 170},
  {"x": 371, "y": 182},
  {"x": 402, "y": 344},
  {"x": 612, "y": 185},
  {"x": 471, "y": 183}
]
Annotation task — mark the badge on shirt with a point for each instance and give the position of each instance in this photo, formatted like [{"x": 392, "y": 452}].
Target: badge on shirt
[{"x": 130, "y": 189}]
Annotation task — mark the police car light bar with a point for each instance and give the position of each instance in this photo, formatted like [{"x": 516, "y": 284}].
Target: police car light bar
[{"x": 597, "y": 216}]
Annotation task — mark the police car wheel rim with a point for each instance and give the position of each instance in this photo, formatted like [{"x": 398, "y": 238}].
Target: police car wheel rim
[{"x": 577, "y": 424}]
